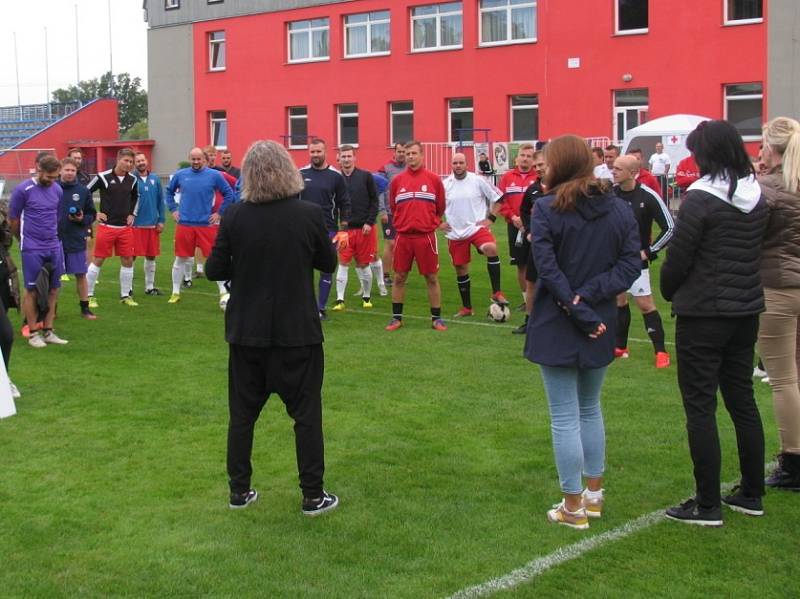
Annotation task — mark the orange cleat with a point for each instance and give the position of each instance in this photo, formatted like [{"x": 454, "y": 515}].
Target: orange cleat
[
  {"x": 438, "y": 325},
  {"x": 394, "y": 324},
  {"x": 622, "y": 352},
  {"x": 662, "y": 359}
]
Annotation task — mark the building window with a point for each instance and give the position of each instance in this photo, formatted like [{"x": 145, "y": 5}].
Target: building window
[
  {"x": 216, "y": 51},
  {"x": 298, "y": 127},
  {"x": 740, "y": 12},
  {"x": 524, "y": 118},
  {"x": 744, "y": 108},
  {"x": 348, "y": 124},
  {"x": 367, "y": 34},
  {"x": 632, "y": 16},
  {"x": 437, "y": 26},
  {"x": 219, "y": 129},
  {"x": 630, "y": 110},
  {"x": 172, "y": 4},
  {"x": 460, "y": 119},
  {"x": 402, "y": 122},
  {"x": 507, "y": 21},
  {"x": 308, "y": 40}
]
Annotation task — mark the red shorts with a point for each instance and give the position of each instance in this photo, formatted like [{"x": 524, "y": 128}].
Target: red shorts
[
  {"x": 113, "y": 241},
  {"x": 363, "y": 247},
  {"x": 187, "y": 238},
  {"x": 424, "y": 248},
  {"x": 146, "y": 241},
  {"x": 460, "y": 248}
]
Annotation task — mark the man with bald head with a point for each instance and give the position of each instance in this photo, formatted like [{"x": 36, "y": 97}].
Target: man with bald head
[
  {"x": 469, "y": 199},
  {"x": 195, "y": 215},
  {"x": 647, "y": 207}
]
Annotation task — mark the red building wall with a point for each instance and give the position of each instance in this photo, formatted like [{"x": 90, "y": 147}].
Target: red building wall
[{"x": 684, "y": 60}]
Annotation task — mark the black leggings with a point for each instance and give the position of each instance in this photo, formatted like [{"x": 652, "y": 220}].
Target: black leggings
[{"x": 6, "y": 334}]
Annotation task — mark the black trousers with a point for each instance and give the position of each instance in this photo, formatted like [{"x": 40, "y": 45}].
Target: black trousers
[
  {"x": 6, "y": 335},
  {"x": 295, "y": 374},
  {"x": 718, "y": 353}
]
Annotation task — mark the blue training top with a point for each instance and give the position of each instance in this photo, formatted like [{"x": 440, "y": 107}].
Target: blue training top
[{"x": 197, "y": 189}]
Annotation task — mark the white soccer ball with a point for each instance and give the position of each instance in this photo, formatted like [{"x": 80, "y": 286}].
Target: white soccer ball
[
  {"x": 498, "y": 312},
  {"x": 223, "y": 301}
]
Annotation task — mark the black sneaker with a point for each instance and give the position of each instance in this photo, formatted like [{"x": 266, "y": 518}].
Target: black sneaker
[
  {"x": 153, "y": 291},
  {"x": 320, "y": 505},
  {"x": 187, "y": 282},
  {"x": 242, "y": 500},
  {"x": 692, "y": 512},
  {"x": 738, "y": 502},
  {"x": 520, "y": 330},
  {"x": 323, "y": 315}
]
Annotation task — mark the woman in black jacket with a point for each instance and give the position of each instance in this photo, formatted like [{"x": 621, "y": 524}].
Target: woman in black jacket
[
  {"x": 586, "y": 250},
  {"x": 711, "y": 276}
]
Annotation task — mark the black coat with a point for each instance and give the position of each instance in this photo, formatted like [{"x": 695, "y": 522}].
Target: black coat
[
  {"x": 269, "y": 252},
  {"x": 713, "y": 260},
  {"x": 593, "y": 252}
]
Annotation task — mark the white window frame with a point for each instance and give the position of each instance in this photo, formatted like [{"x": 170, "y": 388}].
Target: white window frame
[
  {"x": 339, "y": 116},
  {"x": 309, "y": 31},
  {"x": 513, "y": 109},
  {"x": 728, "y": 22},
  {"x": 508, "y": 8},
  {"x": 438, "y": 18},
  {"x": 213, "y": 122},
  {"x": 290, "y": 117},
  {"x": 211, "y": 44},
  {"x": 618, "y": 31},
  {"x": 172, "y": 4},
  {"x": 393, "y": 112},
  {"x": 451, "y": 111},
  {"x": 642, "y": 111},
  {"x": 726, "y": 99},
  {"x": 368, "y": 25}
]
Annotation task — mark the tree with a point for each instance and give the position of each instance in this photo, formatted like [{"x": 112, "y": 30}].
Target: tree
[
  {"x": 128, "y": 91},
  {"x": 138, "y": 131}
]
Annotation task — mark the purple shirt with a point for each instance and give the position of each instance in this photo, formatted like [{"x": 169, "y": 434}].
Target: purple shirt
[{"x": 36, "y": 207}]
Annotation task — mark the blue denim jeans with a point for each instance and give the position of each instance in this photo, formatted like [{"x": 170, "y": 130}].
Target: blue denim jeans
[{"x": 576, "y": 423}]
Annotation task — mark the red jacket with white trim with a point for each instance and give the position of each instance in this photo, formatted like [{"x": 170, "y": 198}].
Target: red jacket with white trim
[
  {"x": 513, "y": 185},
  {"x": 416, "y": 201},
  {"x": 688, "y": 172}
]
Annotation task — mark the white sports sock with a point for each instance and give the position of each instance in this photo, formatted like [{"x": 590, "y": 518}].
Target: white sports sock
[
  {"x": 188, "y": 264},
  {"x": 91, "y": 276},
  {"x": 593, "y": 494},
  {"x": 125, "y": 280},
  {"x": 342, "y": 274},
  {"x": 178, "y": 273},
  {"x": 377, "y": 272},
  {"x": 149, "y": 274},
  {"x": 365, "y": 276},
  {"x": 201, "y": 267},
  {"x": 221, "y": 287}
]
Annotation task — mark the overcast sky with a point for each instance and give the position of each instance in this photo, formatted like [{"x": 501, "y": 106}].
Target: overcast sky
[{"x": 29, "y": 19}]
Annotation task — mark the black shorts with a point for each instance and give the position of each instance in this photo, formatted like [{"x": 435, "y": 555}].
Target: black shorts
[
  {"x": 531, "y": 274},
  {"x": 388, "y": 229}
]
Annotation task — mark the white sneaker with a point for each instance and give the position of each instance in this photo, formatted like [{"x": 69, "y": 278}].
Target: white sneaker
[
  {"x": 758, "y": 372},
  {"x": 223, "y": 301},
  {"x": 14, "y": 391},
  {"x": 36, "y": 340},
  {"x": 51, "y": 337},
  {"x": 382, "y": 290}
]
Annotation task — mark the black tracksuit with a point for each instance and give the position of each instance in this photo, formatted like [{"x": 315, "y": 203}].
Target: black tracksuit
[{"x": 363, "y": 198}]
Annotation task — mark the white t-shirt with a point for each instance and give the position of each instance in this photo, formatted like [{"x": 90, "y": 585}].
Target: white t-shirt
[
  {"x": 601, "y": 171},
  {"x": 467, "y": 201},
  {"x": 659, "y": 163}
]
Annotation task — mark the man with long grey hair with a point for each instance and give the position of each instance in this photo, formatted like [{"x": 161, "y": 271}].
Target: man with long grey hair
[{"x": 268, "y": 246}]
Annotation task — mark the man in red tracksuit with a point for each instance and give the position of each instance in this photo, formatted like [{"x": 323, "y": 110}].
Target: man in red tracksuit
[
  {"x": 687, "y": 173},
  {"x": 417, "y": 202},
  {"x": 513, "y": 185}
]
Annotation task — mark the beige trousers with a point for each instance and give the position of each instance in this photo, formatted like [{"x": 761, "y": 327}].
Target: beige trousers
[{"x": 778, "y": 345}]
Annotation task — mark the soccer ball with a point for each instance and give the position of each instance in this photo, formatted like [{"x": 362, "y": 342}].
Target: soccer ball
[
  {"x": 498, "y": 312},
  {"x": 223, "y": 301}
]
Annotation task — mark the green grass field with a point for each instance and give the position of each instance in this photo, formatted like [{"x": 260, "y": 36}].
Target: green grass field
[{"x": 113, "y": 472}]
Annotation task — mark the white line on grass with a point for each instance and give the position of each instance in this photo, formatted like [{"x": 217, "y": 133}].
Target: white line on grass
[
  {"x": 561, "y": 555},
  {"x": 459, "y": 321}
]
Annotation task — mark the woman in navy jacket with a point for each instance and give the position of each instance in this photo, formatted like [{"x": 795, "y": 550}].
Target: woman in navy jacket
[{"x": 586, "y": 249}]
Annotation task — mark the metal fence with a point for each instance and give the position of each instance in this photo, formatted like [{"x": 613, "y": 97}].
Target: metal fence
[{"x": 37, "y": 112}]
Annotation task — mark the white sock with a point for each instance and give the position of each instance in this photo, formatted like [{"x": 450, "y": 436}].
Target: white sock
[
  {"x": 341, "y": 281},
  {"x": 221, "y": 287},
  {"x": 377, "y": 273},
  {"x": 365, "y": 276},
  {"x": 178, "y": 273},
  {"x": 593, "y": 494},
  {"x": 524, "y": 298},
  {"x": 125, "y": 280},
  {"x": 149, "y": 274},
  {"x": 188, "y": 264},
  {"x": 201, "y": 266},
  {"x": 91, "y": 276}
]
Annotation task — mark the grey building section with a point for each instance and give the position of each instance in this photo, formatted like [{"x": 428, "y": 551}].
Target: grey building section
[
  {"x": 783, "y": 59},
  {"x": 192, "y": 11},
  {"x": 170, "y": 97}
]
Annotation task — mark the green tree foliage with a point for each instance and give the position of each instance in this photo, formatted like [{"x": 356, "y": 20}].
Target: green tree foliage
[
  {"x": 126, "y": 89},
  {"x": 138, "y": 131}
]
